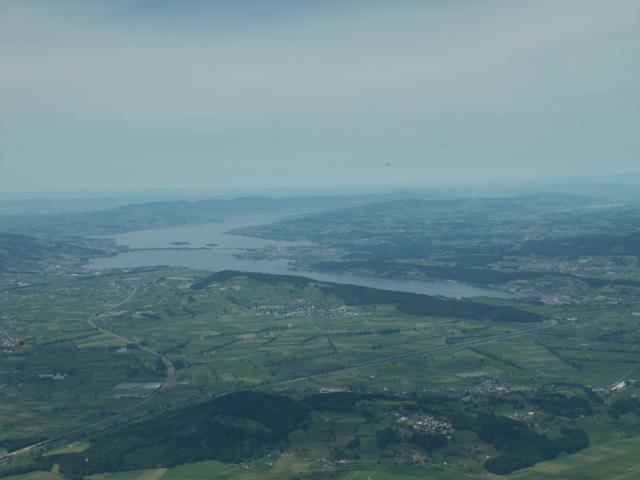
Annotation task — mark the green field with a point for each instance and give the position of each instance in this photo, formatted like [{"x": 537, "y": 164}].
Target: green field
[
  {"x": 277, "y": 336},
  {"x": 614, "y": 460}
]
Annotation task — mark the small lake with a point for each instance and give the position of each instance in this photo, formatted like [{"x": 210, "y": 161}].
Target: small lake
[{"x": 222, "y": 247}]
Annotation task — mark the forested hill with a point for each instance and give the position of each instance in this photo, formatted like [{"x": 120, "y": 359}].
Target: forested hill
[
  {"x": 411, "y": 303},
  {"x": 23, "y": 252},
  {"x": 408, "y": 220},
  {"x": 166, "y": 214}
]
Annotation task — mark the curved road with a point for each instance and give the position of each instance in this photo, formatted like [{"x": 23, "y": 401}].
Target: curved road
[
  {"x": 133, "y": 412},
  {"x": 125, "y": 415},
  {"x": 170, "y": 379}
]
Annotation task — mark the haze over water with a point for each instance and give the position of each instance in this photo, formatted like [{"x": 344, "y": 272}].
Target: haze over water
[{"x": 197, "y": 254}]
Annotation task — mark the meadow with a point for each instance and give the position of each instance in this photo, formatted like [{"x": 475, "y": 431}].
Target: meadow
[{"x": 298, "y": 339}]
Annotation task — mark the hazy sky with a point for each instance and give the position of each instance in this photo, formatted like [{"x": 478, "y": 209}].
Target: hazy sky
[{"x": 242, "y": 93}]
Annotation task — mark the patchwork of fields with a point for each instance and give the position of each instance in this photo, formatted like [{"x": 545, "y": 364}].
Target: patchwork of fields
[{"x": 86, "y": 362}]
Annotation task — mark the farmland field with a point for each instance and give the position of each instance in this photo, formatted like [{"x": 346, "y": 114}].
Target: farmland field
[{"x": 170, "y": 372}]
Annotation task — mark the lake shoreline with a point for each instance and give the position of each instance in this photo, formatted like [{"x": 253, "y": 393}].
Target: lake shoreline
[{"x": 146, "y": 248}]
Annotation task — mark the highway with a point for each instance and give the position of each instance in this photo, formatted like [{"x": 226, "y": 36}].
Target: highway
[
  {"x": 138, "y": 410},
  {"x": 130, "y": 413},
  {"x": 170, "y": 378}
]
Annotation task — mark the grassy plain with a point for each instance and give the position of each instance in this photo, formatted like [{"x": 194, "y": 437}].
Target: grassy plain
[{"x": 244, "y": 333}]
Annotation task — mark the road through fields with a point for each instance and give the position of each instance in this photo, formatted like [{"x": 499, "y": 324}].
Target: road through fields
[{"x": 138, "y": 410}]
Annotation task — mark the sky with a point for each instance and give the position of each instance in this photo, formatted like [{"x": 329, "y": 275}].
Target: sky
[{"x": 335, "y": 93}]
